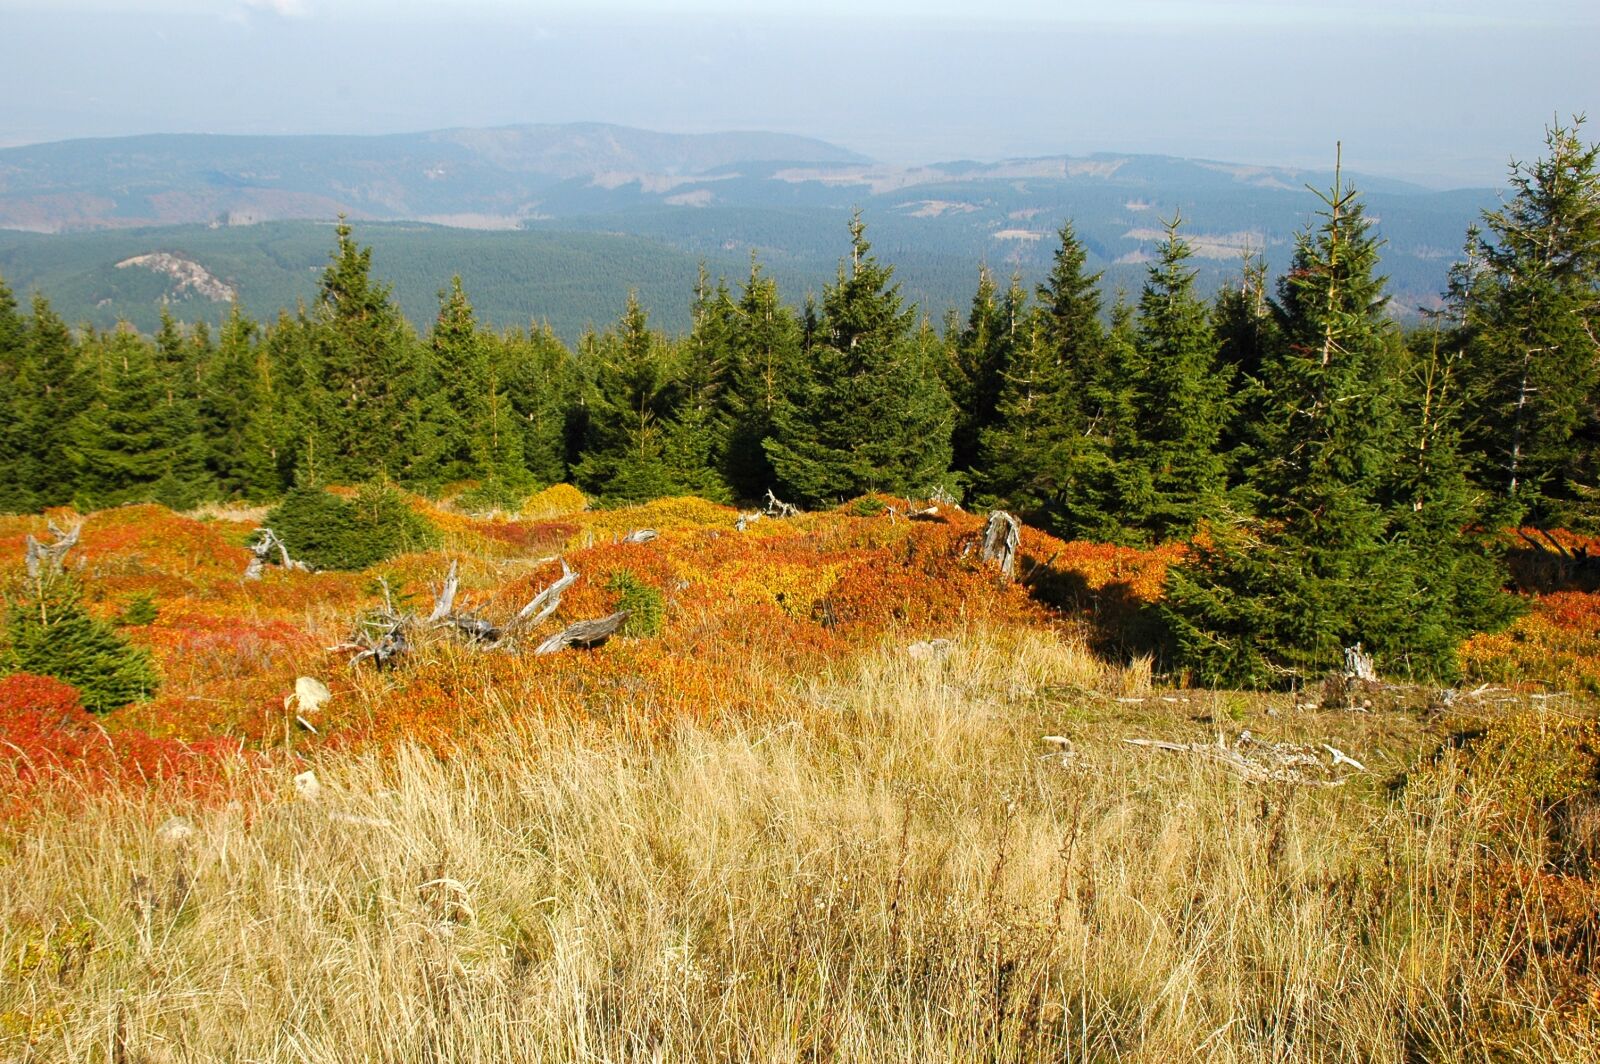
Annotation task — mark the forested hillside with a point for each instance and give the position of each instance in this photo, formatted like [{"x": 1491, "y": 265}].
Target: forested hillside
[
  {"x": 556, "y": 223},
  {"x": 1340, "y": 478}
]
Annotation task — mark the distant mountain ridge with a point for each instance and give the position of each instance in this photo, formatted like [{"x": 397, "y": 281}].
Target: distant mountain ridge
[
  {"x": 576, "y": 190},
  {"x": 512, "y": 175},
  {"x": 496, "y": 176}
]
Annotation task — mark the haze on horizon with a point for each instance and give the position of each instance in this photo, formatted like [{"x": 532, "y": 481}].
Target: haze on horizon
[{"x": 1442, "y": 91}]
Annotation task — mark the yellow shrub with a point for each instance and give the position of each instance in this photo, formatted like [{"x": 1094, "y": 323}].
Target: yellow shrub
[{"x": 558, "y": 500}]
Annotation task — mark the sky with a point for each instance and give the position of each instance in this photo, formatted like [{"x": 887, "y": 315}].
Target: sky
[{"x": 1442, "y": 91}]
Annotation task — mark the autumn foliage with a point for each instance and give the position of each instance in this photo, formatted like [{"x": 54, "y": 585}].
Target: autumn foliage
[
  {"x": 47, "y": 737},
  {"x": 743, "y": 613}
]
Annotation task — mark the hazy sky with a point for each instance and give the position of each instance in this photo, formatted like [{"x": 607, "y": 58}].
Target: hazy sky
[{"x": 1444, "y": 90}]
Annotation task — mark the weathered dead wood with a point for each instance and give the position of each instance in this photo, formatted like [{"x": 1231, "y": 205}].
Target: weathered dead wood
[
  {"x": 387, "y": 634},
  {"x": 1256, "y": 761},
  {"x": 545, "y": 602},
  {"x": 1554, "y": 542},
  {"x": 444, "y": 603},
  {"x": 382, "y": 637},
  {"x": 747, "y": 519},
  {"x": 640, "y": 535},
  {"x": 1038, "y": 568},
  {"x": 444, "y": 614},
  {"x": 42, "y": 557},
  {"x": 1358, "y": 665},
  {"x": 478, "y": 629},
  {"x": 927, "y": 512},
  {"x": 1002, "y": 542},
  {"x": 776, "y": 507},
  {"x": 586, "y": 634},
  {"x": 379, "y": 640},
  {"x": 261, "y": 550},
  {"x": 1530, "y": 541}
]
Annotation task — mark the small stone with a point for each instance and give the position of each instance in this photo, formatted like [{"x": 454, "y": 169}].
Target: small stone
[
  {"x": 310, "y": 693},
  {"x": 307, "y": 786},
  {"x": 175, "y": 831}
]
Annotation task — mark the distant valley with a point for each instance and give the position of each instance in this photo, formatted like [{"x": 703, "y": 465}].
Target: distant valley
[{"x": 557, "y": 223}]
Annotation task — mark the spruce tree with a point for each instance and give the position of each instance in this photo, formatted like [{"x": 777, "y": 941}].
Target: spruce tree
[
  {"x": 467, "y": 426},
  {"x": 1040, "y": 451},
  {"x": 52, "y": 389},
  {"x": 14, "y": 496},
  {"x": 365, "y": 356},
  {"x": 542, "y": 386},
  {"x": 1439, "y": 515},
  {"x": 235, "y": 415},
  {"x": 697, "y": 440},
  {"x": 873, "y": 415},
  {"x": 292, "y": 399},
  {"x": 1244, "y": 327},
  {"x": 978, "y": 353},
  {"x": 49, "y": 633},
  {"x": 1277, "y": 595},
  {"x": 1107, "y": 475},
  {"x": 1528, "y": 304},
  {"x": 631, "y": 391},
  {"x": 1172, "y": 473},
  {"x": 766, "y": 364},
  {"x": 130, "y": 443}
]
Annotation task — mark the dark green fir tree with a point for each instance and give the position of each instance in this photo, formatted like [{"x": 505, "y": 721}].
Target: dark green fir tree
[
  {"x": 1528, "y": 304},
  {"x": 873, "y": 414},
  {"x": 542, "y": 386},
  {"x": 130, "y": 443},
  {"x": 977, "y": 353},
  {"x": 630, "y": 392},
  {"x": 53, "y": 389},
  {"x": 235, "y": 414},
  {"x": 365, "y": 359},
  {"x": 698, "y": 438},
  {"x": 1041, "y": 450},
  {"x": 1172, "y": 471},
  {"x": 1321, "y": 564},
  {"x": 766, "y": 366},
  {"x": 14, "y": 495}
]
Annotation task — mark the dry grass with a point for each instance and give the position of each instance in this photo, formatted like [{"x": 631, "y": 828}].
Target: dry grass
[{"x": 891, "y": 866}]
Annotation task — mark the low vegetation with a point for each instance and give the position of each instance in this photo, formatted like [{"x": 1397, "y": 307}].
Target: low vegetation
[{"x": 809, "y": 811}]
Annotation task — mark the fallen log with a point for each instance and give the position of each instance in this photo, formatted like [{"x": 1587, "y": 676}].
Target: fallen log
[
  {"x": 382, "y": 637},
  {"x": 1261, "y": 762},
  {"x": 586, "y": 634},
  {"x": 545, "y": 602},
  {"x": 478, "y": 629},
  {"x": 640, "y": 535},
  {"x": 929, "y": 512},
  {"x": 776, "y": 507}
]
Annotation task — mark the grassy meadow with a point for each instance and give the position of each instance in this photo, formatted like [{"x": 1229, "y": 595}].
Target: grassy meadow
[{"x": 850, "y": 796}]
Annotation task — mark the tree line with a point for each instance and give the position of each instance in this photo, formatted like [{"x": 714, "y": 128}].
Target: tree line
[{"x": 1341, "y": 478}]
